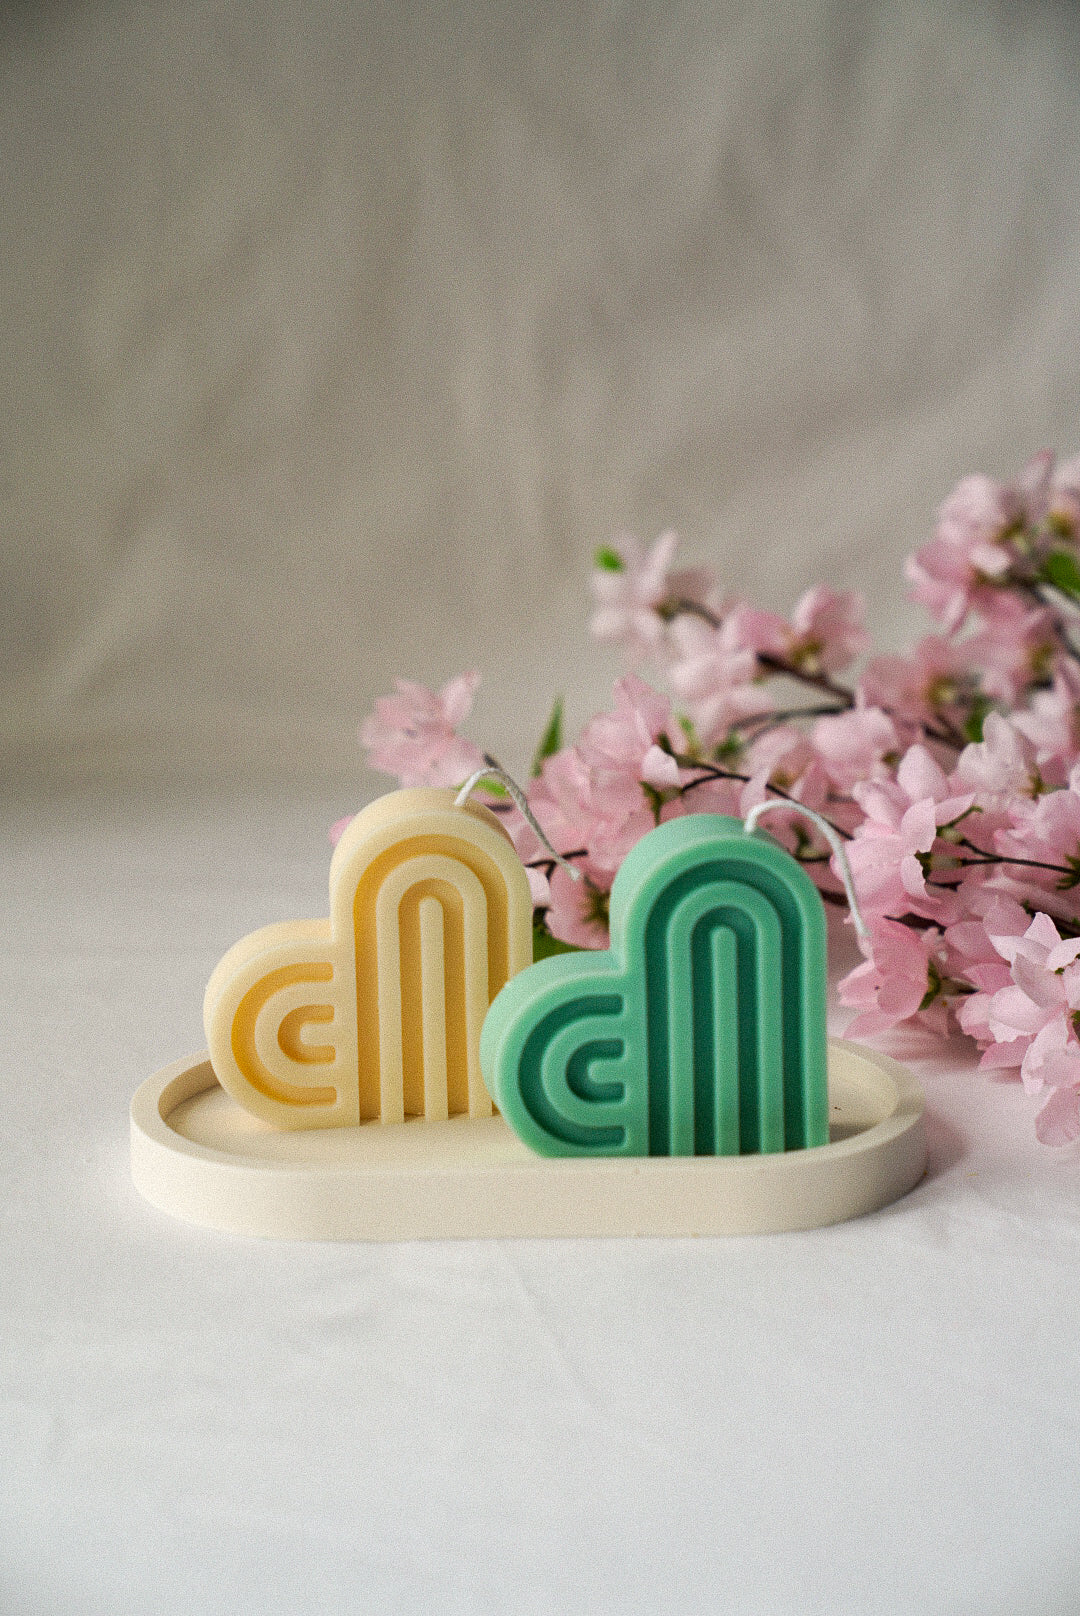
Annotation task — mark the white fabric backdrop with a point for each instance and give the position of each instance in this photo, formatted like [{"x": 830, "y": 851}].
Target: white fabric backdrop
[
  {"x": 332, "y": 340},
  {"x": 335, "y": 338}
]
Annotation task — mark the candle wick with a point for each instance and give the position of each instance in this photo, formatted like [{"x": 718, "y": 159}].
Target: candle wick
[
  {"x": 495, "y": 771},
  {"x": 834, "y": 841}
]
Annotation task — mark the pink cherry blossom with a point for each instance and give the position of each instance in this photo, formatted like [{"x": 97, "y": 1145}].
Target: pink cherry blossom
[
  {"x": 955, "y": 848},
  {"x": 975, "y": 517},
  {"x": 578, "y": 910},
  {"x": 917, "y": 687},
  {"x": 751, "y": 629},
  {"x": 539, "y": 886},
  {"x": 413, "y": 734},
  {"x": 853, "y": 745},
  {"x": 784, "y": 757},
  {"x": 562, "y": 800},
  {"x": 1018, "y": 646},
  {"x": 1033, "y": 1015},
  {"x": 1048, "y": 1058},
  {"x": 784, "y": 760},
  {"x": 974, "y": 958},
  {"x": 620, "y": 750},
  {"x": 706, "y": 795},
  {"x": 1001, "y": 764},
  {"x": 713, "y": 672},
  {"x": 827, "y": 630},
  {"x": 1045, "y": 832},
  {"x": 1051, "y": 722},
  {"x": 628, "y": 600},
  {"x": 893, "y": 983},
  {"x": 950, "y": 573},
  {"x": 601, "y": 795},
  {"x": 889, "y": 852}
]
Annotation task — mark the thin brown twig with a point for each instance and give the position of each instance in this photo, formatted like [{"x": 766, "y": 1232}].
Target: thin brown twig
[
  {"x": 712, "y": 771},
  {"x": 819, "y": 681}
]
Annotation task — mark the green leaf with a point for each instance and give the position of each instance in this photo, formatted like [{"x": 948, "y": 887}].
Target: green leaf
[
  {"x": 934, "y": 985},
  {"x": 1060, "y": 569},
  {"x": 729, "y": 749},
  {"x": 976, "y": 718},
  {"x": 609, "y": 560},
  {"x": 1066, "y": 883},
  {"x": 551, "y": 740},
  {"x": 545, "y": 945},
  {"x": 492, "y": 788}
]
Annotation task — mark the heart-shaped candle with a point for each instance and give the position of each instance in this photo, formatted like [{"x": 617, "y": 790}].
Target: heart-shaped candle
[
  {"x": 376, "y": 1011},
  {"x": 700, "y": 1032}
]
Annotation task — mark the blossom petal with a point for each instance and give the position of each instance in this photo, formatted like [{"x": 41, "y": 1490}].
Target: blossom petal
[
  {"x": 1040, "y": 985},
  {"x": 1063, "y": 953},
  {"x": 919, "y": 826},
  {"x": 457, "y": 697},
  {"x": 659, "y": 769},
  {"x": 1013, "y": 1013},
  {"x": 1058, "y": 1123}
]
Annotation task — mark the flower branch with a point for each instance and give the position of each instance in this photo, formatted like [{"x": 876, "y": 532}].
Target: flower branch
[{"x": 977, "y": 724}]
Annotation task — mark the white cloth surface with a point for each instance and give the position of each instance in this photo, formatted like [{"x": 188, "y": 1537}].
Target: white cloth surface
[
  {"x": 335, "y": 338},
  {"x": 879, "y": 1417}
]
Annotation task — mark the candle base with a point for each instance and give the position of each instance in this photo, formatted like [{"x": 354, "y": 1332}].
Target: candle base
[{"x": 198, "y": 1155}]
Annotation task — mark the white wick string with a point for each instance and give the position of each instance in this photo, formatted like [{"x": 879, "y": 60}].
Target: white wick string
[
  {"x": 495, "y": 771},
  {"x": 834, "y": 841}
]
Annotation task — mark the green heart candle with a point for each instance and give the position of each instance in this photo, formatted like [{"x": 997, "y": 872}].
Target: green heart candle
[{"x": 701, "y": 1031}]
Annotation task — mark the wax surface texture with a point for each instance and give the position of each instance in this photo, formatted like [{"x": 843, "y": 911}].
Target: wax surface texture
[
  {"x": 376, "y": 1011},
  {"x": 700, "y": 1032}
]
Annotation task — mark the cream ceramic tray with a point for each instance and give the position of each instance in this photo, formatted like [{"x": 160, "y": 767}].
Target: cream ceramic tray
[{"x": 197, "y": 1154}]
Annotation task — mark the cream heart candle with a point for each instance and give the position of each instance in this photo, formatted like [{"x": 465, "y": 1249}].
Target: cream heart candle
[
  {"x": 701, "y": 1031},
  {"x": 376, "y": 1011}
]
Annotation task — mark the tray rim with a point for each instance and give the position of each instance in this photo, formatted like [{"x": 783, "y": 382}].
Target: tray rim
[{"x": 847, "y": 1177}]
